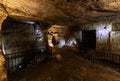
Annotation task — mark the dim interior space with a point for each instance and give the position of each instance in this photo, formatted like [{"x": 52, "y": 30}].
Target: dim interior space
[{"x": 53, "y": 40}]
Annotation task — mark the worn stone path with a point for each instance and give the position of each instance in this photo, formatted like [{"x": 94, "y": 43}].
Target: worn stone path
[{"x": 69, "y": 68}]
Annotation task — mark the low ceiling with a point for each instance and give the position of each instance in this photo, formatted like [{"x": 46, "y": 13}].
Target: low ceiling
[{"x": 63, "y": 12}]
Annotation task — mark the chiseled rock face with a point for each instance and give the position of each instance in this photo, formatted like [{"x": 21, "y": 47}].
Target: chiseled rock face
[
  {"x": 64, "y": 12},
  {"x": 3, "y": 15},
  {"x": 3, "y": 72}
]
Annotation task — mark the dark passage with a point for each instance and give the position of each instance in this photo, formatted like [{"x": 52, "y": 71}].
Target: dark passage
[{"x": 89, "y": 39}]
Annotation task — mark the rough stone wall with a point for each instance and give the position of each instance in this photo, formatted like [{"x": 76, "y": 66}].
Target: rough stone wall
[
  {"x": 3, "y": 72},
  {"x": 107, "y": 35},
  {"x": 67, "y": 12},
  {"x": 58, "y": 32},
  {"x": 15, "y": 37},
  {"x": 20, "y": 37},
  {"x": 3, "y": 14},
  {"x": 102, "y": 34},
  {"x": 115, "y": 38}
]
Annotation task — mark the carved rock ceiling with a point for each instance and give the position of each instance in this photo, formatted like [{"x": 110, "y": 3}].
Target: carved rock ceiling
[{"x": 64, "y": 12}]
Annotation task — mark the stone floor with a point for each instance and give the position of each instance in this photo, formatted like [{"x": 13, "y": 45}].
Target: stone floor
[{"x": 68, "y": 68}]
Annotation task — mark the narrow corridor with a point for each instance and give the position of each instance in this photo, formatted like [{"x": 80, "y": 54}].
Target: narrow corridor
[{"x": 68, "y": 68}]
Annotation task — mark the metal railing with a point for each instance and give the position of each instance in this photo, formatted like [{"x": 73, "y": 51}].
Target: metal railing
[
  {"x": 20, "y": 60},
  {"x": 106, "y": 59}
]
